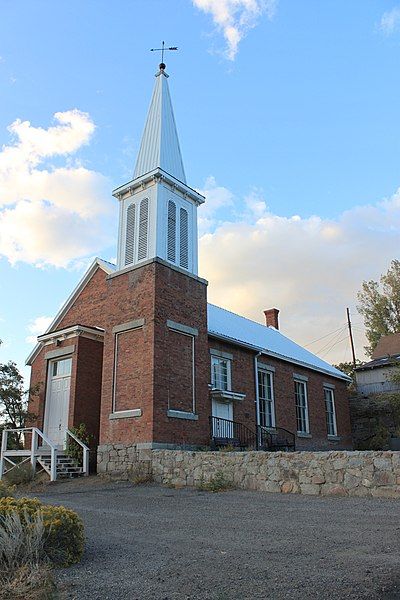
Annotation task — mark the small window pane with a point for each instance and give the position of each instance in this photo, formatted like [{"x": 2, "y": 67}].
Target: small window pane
[
  {"x": 330, "y": 411},
  {"x": 301, "y": 407},
  {"x": 220, "y": 373},
  {"x": 62, "y": 368},
  {"x": 265, "y": 399}
]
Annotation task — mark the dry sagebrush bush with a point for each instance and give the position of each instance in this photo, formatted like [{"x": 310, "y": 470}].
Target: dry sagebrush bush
[
  {"x": 63, "y": 529},
  {"x": 23, "y": 572}
]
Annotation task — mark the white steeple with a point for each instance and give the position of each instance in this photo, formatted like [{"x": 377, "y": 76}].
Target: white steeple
[
  {"x": 160, "y": 144},
  {"x": 158, "y": 210}
]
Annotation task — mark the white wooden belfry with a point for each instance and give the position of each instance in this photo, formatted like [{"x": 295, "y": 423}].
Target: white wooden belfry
[{"x": 158, "y": 210}]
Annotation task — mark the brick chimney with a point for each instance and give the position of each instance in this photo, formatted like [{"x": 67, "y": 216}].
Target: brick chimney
[{"x": 271, "y": 317}]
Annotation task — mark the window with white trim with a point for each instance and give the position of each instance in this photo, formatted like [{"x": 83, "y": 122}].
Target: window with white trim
[
  {"x": 266, "y": 406},
  {"x": 171, "y": 231},
  {"x": 221, "y": 373},
  {"x": 183, "y": 238},
  {"x": 62, "y": 368},
  {"x": 300, "y": 391},
  {"x": 130, "y": 234},
  {"x": 143, "y": 229},
  {"x": 330, "y": 411}
]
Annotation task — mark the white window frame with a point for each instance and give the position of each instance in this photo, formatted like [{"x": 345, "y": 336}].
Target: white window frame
[
  {"x": 328, "y": 391},
  {"x": 217, "y": 360},
  {"x": 264, "y": 400},
  {"x": 301, "y": 382}
]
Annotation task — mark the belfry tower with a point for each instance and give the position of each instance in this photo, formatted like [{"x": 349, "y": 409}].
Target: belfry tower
[{"x": 158, "y": 210}]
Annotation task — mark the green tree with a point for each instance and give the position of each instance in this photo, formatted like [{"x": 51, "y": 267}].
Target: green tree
[
  {"x": 379, "y": 303},
  {"x": 14, "y": 399},
  {"x": 348, "y": 367}
]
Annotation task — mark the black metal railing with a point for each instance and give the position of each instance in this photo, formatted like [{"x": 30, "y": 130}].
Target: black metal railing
[
  {"x": 276, "y": 438},
  {"x": 225, "y": 432}
]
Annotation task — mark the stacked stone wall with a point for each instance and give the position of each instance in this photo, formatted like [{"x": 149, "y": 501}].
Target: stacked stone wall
[{"x": 334, "y": 473}]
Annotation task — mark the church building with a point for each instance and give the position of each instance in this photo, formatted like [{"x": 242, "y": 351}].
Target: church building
[{"x": 138, "y": 355}]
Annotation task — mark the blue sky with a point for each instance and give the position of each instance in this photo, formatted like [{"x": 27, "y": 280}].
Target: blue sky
[{"x": 288, "y": 116}]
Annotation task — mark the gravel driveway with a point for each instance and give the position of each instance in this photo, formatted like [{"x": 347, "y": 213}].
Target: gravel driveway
[{"x": 157, "y": 543}]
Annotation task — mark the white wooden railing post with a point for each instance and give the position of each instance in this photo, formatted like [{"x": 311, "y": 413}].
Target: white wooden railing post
[
  {"x": 53, "y": 464},
  {"x": 3, "y": 450},
  {"x": 85, "y": 462},
  {"x": 34, "y": 443}
]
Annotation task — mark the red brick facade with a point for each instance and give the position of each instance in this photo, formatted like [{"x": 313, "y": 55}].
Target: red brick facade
[{"x": 154, "y": 365}]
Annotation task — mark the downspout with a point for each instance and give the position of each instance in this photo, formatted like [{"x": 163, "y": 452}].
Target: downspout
[{"x": 257, "y": 397}]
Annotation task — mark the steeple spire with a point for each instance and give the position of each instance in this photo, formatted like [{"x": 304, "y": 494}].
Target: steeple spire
[{"x": 160, "y": 144}]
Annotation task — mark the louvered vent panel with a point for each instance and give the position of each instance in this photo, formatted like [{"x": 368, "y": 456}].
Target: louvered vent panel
[
  {"x": 184, "y": 239},
  {"x": 130, "y": 234},
  {"x": 143, "y": 229},
  {"x": 171, "y": 232}
]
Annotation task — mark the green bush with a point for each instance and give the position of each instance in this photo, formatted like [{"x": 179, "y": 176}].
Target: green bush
[{"x": 64, "y": 537}]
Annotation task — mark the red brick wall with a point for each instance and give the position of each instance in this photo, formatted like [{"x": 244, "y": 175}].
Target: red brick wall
[
  {"x": 128, "y": 382},
  {"x": 86, "y": 399},
  {"x": 179, "y": 359},
  {"x": 285, "y": 411}
]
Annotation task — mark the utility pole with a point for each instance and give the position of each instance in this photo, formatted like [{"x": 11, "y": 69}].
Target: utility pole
[{"x": 351, "y": 338}]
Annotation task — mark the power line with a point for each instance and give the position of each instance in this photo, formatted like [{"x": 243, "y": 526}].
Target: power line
[
  {"x": 332, "y": 341},
  {"x": 324, "y": 336}
]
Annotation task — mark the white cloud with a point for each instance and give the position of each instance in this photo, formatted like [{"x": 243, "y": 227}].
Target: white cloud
[
  {"x": 235, "y": 17},
  {"x": 50, "y": 215},
  {"x": 310, "y": 268},
  {"x": 390, "y": 21},
  {"x": 37, "y": 327}
]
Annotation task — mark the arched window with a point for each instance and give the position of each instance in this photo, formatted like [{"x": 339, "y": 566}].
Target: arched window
[
  {"x": 130, "y": 234},
  {"x": 184, "y": 238},
  {"x": 143, "y": 229},
  {"x": 171, "y": 232}
]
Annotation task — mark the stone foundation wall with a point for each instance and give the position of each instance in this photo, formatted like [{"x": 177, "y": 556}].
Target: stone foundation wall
[{"x": 341, "y": 473}]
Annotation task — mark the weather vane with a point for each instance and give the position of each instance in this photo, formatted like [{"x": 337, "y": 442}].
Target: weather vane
[{"x": 162, "y": 50}]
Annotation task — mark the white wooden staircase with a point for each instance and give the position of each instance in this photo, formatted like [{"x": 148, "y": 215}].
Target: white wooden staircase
[{"x": 42, "y": 454}]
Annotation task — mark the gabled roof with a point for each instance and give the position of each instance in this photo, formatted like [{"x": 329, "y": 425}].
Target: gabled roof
[
  {"x": 388, "y": 345},
  {"x": 236, "y": 329},
  {"x": 160, "y": 144},
  {"x": 224, "y": 325},
  {"x": 106, "y": 266}
]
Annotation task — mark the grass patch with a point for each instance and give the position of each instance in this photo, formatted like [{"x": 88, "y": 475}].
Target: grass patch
[{"x": 219, "y": 483}]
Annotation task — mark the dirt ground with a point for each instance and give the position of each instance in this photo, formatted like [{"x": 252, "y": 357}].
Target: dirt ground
[{"x": 151, "y": 542}]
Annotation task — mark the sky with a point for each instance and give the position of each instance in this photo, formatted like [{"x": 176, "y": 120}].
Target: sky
[{"x": 289, "y": 123}]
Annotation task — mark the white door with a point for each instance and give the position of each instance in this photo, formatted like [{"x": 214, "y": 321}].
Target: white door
[
  {"x": 224, "y": 412},
  {"x": 57, "y": 400}
]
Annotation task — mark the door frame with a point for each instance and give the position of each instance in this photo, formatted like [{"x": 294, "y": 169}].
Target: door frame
[{"x": 49, "y": 378}]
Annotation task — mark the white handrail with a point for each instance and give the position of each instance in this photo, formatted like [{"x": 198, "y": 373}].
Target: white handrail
[
  {"x": 85, "y": 457},
  {"x": 36, "y": 433}
]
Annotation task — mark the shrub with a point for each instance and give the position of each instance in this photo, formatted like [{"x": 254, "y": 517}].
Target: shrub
[
  {"x": 33, "y": 582},
  {"x": 218, "y": 483},
  {"x": 6, "y": 491},
  {"x": 140, "y": 473},
  {"x": 64, "y": 538},
  {"x": 75, "y": 450},
  {"x": 22, "y": 571},
  {"x": 20, "y": 474}
]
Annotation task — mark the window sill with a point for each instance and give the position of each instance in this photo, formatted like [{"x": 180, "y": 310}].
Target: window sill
[
  {"x": 125, "y": 414},
  {"x": 301, "y": 434},
  {"x": 181, "y": 414},
  {"x": 334, "y": 438}
]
